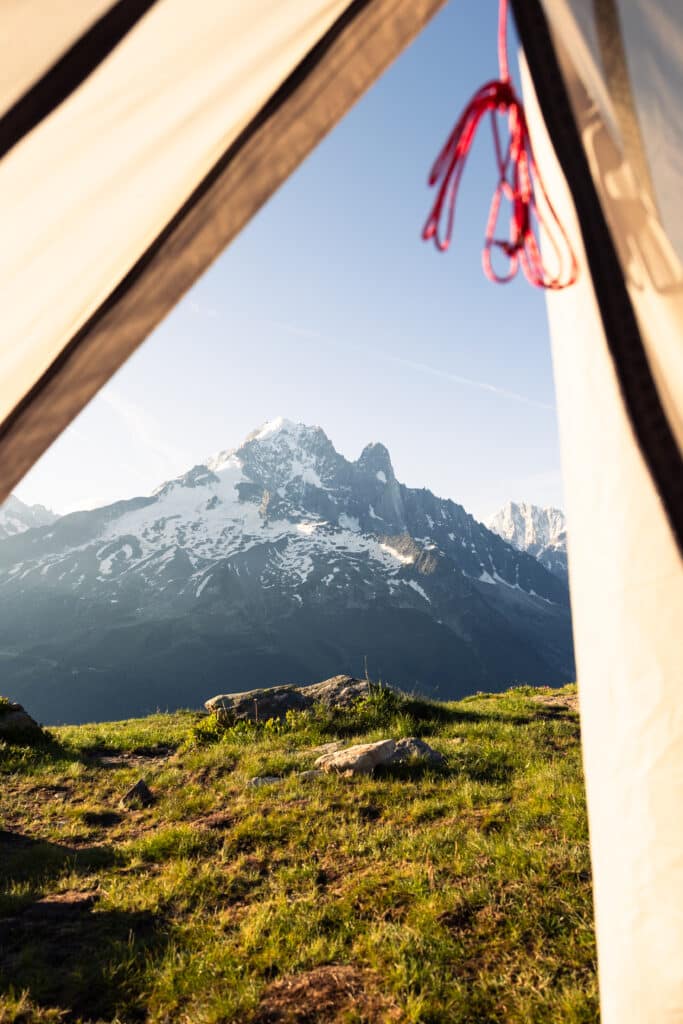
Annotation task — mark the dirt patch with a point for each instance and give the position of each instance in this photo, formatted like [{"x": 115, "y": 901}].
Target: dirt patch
[
  {"x": 61, "y": 906},
  {"x": 559, "y": 701},
  {"x": 145, "y": 756},
  {"x": 216, "y": 822},
  {"x": 102, "y": 819},
  {"x": 326, "y": 995}
]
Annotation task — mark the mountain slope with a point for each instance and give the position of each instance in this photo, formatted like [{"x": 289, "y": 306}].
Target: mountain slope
[
  {"x": 278, "y": 561},
  {"x": 16, "y": 517},
  {"x": 542, "y": 532}
]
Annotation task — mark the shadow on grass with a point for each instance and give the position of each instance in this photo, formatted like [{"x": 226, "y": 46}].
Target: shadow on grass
[
  {"x": 68, "y": 954},
  {"x": 94, "y": 752},
  {"x": 37, "y": 861},
  {"x": 419, "y": 716},
  {"x": 24, "y": 754},
  {"x": 493, "y": 768}
]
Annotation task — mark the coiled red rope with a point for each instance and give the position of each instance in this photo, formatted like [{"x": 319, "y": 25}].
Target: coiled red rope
[{"x": 518, "y": 182}]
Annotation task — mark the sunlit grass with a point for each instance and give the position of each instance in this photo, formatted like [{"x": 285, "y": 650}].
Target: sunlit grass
[{"x": 460, "y": 894}]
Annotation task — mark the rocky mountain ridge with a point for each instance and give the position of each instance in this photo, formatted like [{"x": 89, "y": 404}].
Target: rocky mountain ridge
[
  {"x": 274, "y": 561},
  {"x": 17, "y": 517},
  {"x": 541, "y": 532}
]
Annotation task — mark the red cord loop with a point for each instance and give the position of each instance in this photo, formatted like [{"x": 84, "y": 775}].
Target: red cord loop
[{"x": 518, "y": 181}]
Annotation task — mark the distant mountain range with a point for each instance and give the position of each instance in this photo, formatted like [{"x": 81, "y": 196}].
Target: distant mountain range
[
  {"x": 16, "y": 517},
  {"x": 276, "y": 561},
  {"x": 542, "y": 532}
]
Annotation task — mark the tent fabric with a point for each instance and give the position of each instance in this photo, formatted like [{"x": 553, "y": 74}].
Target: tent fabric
[
  {"x": 628, "y": 249},
  {"x": 119, "y": 199},
  {"x": 69, "y": 70},
  {"x": 624, "y": 558},
  {"x": 36, "y": 35}
]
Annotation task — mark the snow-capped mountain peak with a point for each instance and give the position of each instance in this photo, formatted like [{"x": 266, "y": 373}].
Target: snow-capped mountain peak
[
  {"x": 280, "y": 425},
  {"x": 278, "y": 559},
  {"x": 542, "y": 532},
  {"x": 16, "y": 517}
]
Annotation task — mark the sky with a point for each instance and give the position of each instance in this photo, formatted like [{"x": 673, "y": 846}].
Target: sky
[{"x": 328, "y": 309}]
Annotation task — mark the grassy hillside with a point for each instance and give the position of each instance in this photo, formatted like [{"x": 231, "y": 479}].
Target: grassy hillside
[{"x": 452, "y": 894}]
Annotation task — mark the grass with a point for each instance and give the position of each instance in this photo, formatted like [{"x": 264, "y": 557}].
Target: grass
[{"x": 457, "y": 895}]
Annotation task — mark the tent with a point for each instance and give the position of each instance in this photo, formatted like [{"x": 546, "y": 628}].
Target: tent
[{"x": 136, "y": 141}]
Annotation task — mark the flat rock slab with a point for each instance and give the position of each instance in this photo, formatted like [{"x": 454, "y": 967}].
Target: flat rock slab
[
  {"x": 363, "y": 758},
  {"x": 276, "y": 701}
]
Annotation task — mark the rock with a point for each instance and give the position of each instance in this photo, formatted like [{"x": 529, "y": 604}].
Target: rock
[
  {"x": 338, "y": 692},
  {"x": 258, "y": 705},
  {"x": 263, "y": 780},
  {"x": 413, "y": 749},
  {"x": 310, "y": 776},
  {"x": 139, "y": 795},
  {"x": 361, "y": 759},
  {"x": 326, "y": 748},
  {"x": 276, "y": 701},
  {"x": 14, "y": 721}
]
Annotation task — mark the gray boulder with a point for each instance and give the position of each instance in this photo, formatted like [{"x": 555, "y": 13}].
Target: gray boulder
[
  {"x": 338, "y": 692},
  {"x": 258, "y": 705},
  {"x": 413, "y": 749},
  {"x": 15, "y": 722},
  {"x": 276, "y": 701}
]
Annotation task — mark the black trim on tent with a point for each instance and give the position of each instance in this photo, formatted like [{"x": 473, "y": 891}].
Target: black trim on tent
[
  {"x": 72, "y": 68},
  {"x": 639, "y": 391}
]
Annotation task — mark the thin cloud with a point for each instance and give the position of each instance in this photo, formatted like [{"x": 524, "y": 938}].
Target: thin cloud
[
  {"x": 144, "y": 427},
  {"x": 434, "y": 371},
  {"x": 469, "y": 382},
  {"x": 299, "y": 332}
]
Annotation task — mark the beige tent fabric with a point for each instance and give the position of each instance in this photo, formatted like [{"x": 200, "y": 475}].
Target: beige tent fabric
[
  {"x": 34, "y": 34},
  {"x": 84, "y": 195},
  {"x": 625, "y": 569},
  {"x": 647, "y": 228}
]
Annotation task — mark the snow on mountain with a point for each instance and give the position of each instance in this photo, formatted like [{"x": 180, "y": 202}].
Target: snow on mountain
[
  {"x": 277, "y": 559},
  {"x": 542, "y": 532},
  {"x": 15, "y": 517}
]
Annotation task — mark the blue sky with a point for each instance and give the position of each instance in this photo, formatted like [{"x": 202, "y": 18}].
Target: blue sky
[{"x": 329, "y": 309}]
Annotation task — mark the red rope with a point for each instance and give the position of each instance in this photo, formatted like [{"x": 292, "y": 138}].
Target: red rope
[{"x": 518, "y": 182}]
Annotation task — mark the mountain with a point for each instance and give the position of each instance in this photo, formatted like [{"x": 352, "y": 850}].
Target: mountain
[
  {"x": 542, "y": 532},
  {"x": 15, "y": 517},
  {"x": 277, "y": 561}
]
